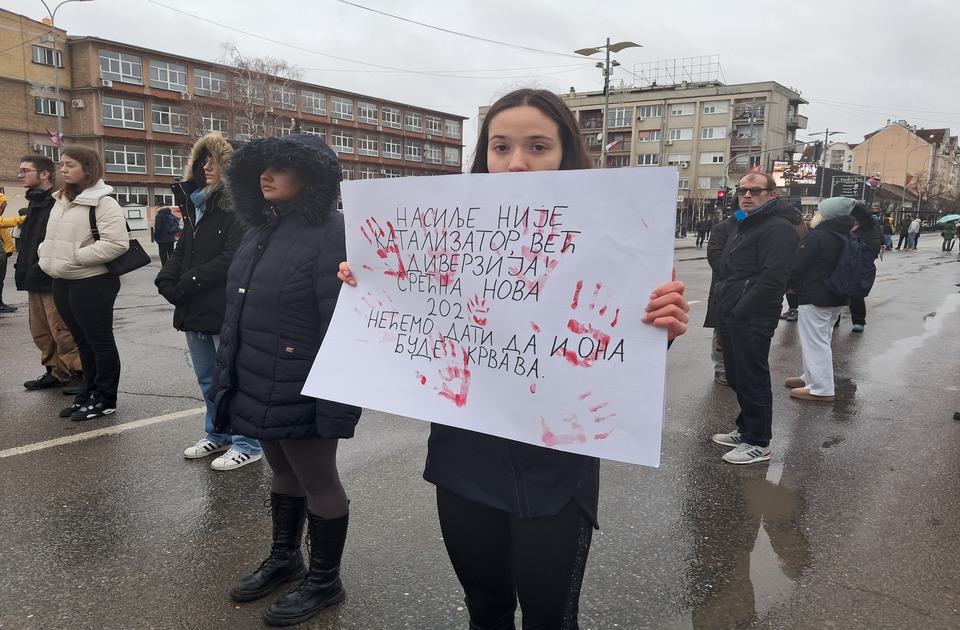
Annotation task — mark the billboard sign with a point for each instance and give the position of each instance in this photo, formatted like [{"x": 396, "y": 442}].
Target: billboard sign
[{"x": 787, "y": 174}]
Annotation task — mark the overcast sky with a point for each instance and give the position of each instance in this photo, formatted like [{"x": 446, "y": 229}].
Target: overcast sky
[{"x": 857, "y": 63}]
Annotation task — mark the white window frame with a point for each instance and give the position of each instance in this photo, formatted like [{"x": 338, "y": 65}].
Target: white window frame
[
  {"x": 51, "y": 152},
  {"x": 391, "y": 173},
  {"x": 283, "y": 96},
  {"x": 167, "y": 75},
  {"x": 170, "y": 119},
  {"x": 412, "y": 151},
  {"x": 681, "y": 109},
  {"x": 211, "y": 122},
  {"x": 713, "y": 133},
  {"x": 650, "y": 111},
  {"x": 652, "y": 135},
  {"x": 48, "y": 106},
  {"x": 451, "y": 128},
  {"x": 367, "y": 172},
  {"x": 619, "y": 161},
  {"x": 432, "y": 154},
  {"x": 367, "y": 144},
  {"x": 210, "y": 83},
  {"x": 169, "y": 160},
  {"x": 716, "y": 107},
  {"x": 341, "y": 141},
  {"x": 248, "y": 91},
  {"x": 367, "y": 113},
  {"x": 124, "y": 113},
  {"x": 341, "y": 107},
  {"x": 47, "y": 56},
  {"x": 681, "y": 133},
  {"x": 388, "y": 148},
  {"x": 620, "y": 117},
  {"x": 684, "y": 183},
  {"x": 134, "y": 158},
  {"x": 434, "y": 125},
  {"x": 648, "y": 159},
  {"x": 315, "y": 130},
  {"x": 391, "y": 117},
  {"x": 126, "y": 195},
  {"x": 121, "y": 67},
  {"x": 413, "y": 121},
  {"x": 674, "y": 159},
  {"x": 712, "y": 157},
  {"x": 313, "y": 102},
  {"x": 162, "y": 197},
  {"x": 451, "y": 156}
]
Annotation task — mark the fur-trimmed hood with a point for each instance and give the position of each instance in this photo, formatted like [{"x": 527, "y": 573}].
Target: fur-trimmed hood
[
  {"x": 307, "y": 155},
  {"x": 217, "y": 146}
]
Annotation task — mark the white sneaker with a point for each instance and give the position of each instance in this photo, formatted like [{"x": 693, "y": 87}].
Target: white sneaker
[
  {"x": 747, "y": 454},
  {"x": 203, "y": 448},
  {"x": 234, "y": 458}
]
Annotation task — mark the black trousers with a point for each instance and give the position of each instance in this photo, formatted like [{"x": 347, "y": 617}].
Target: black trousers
[
  {"x": 858, "y": 311},
  {"x": 903, "y": 237},
  {"x": 86, "y": 307},
  {"x": 499, "y": 557},
  {"x": 746, "y": 354},
  {"x": 166, "y": 249}
]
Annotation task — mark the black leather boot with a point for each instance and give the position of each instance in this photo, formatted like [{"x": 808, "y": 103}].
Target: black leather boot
[
  {"x": 322, "y": 587},
  {"x": 285, "y": 563}
]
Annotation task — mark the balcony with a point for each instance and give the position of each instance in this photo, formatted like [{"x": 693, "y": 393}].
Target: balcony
[
  {"x": 740, "y": 142},
  {"x": 796, "y": 122}
]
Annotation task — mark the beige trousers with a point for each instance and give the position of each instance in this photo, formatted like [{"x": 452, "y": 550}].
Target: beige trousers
[{"x": 57, "y": 349}]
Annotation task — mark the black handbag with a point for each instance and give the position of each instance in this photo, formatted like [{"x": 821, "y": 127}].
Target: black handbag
[{"x": 134, "y": 258}]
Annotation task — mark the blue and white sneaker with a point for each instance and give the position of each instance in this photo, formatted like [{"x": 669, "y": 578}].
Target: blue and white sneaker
[
  {"x": 747, "y": 454},
  {"x": 728, "y": 439}
]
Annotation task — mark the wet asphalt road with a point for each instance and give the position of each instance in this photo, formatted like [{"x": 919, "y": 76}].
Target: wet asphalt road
[{"x": 853, "y": 523}]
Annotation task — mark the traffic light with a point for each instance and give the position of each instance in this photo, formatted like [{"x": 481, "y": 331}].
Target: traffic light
[{"x": 722, "y": 199}]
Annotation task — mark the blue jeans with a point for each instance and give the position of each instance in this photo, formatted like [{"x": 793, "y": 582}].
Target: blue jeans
[
  {"x": 746, "y": 351},
  {"x": 911, "y": 241},
  {"x": 203, "y": 355}
]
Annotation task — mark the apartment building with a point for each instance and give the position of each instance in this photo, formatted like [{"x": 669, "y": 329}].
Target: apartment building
[
  {"x": 706, "y": 130},
  {"x": 143, "y": 109}
]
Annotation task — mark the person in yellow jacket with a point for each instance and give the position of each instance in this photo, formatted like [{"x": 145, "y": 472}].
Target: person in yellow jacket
[{"x": 8, "y": 248}]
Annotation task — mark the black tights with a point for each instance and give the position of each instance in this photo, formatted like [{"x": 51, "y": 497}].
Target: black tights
[
  {"x": 499, "y": 557},
  {"x": 308, "y": 468}
]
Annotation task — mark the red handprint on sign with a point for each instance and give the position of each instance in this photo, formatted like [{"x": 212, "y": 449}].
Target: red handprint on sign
[
  {"x": 572, "y": 417},
  {"x": 601, "y": 339},
  {"x": 454, "y": 372},
  {"x": 386, "y": 247},
  {"x": 478, "y": 310}
]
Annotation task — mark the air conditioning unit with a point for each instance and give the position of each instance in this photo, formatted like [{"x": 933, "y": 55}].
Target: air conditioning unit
[
  {"x": 379, "y": 127},
  {"x": 335, "y": 121},
  {"x": 684, "y": 164},
  {"x": 78, "y": 103},
  {"x": 668, "y": 142},
  {"x": 106, "y": 83},
  {"x": 429, "y": 137},
  {"x": 186, "y": 96}
]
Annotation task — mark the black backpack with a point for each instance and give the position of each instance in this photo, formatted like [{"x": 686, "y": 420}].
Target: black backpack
[{"x": 856, "y": 271}]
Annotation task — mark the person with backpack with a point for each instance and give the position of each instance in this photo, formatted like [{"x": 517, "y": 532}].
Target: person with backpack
[
  {"x": 165, "y": 228},
  {"x": 814, "y": 263},
  {"x": 870, "y": 234}
]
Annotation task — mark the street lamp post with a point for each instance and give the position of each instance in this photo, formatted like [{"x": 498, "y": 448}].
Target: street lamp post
[
  {"x": 605, "y": 68},
  {"x": 56, "y": 62}
]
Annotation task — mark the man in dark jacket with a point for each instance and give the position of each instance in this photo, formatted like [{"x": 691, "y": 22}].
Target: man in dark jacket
[
  {"x": 747, "y": 298},
  {"x": 870, "y": 234},
  {"x": 194, "y": 280},
  {"x": 58, "y": 351},
  {"x": 718, "y": 240},
  {"x": 165, "y": 228}
]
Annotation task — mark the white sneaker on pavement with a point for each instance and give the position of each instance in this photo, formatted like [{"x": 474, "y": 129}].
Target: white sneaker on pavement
[
  {"x": 234, "y": 458},
  {"x": 203, "y": 448}
]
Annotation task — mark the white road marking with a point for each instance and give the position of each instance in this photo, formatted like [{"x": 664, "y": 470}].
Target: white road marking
[{"x": 89, "y": 435}]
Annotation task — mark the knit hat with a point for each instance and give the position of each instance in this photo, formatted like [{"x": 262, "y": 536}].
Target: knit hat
[{"x": 835, "y": 207}]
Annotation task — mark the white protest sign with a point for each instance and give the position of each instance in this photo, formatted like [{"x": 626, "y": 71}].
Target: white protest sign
[{"x": 508, "y": 304}]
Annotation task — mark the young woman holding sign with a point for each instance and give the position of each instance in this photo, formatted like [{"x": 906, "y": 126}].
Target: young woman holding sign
[{"x": 517, "y": 519}]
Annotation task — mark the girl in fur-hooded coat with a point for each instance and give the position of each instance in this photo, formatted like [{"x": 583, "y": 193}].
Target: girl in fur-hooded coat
[{"x": 281, "y": 291}]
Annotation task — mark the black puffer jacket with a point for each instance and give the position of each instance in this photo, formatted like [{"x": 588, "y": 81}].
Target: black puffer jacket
[
  {"x": 719, "y": 235},
  {"x": 194, "y": 278},
  {"x": 281, "y": 292},
  {"x": 27, "y": 274},
  {"x": 817, "y": 256},
  {"x": 756, "y": 263}
]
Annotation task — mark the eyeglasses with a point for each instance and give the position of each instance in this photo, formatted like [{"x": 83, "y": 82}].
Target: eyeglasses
[
  {"x": 742, "y": 192},
  {"x": 24, "y": 171}
]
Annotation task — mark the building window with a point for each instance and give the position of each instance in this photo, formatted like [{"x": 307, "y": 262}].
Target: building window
[
  {"x": 413, "y": 121},
  {"x": 48, "y": 106},
  {"x": 209, "y": 83},
  {"x": 620, "y": 117},
  {"x": 169, "y": 119},
  {"x": 391, "y": 173},
  {"x": 125, "y": 158},
  {"x": 706, "y": 183},
  {"x": 391, "y": 148},
  {"x": 162, "y": 197},
  {"x": 413, "y": 151},
  {"x": 283, "y": 96},
  {"x": 451, "y": 128},
  {"x": 619, "y": 161},
  {"x": 47, "y": 56},
  {"x": 125, "y": 113},
  {"x": 675, "y": 159},
  {"x": 681, "y": 109},
  {"x": 248, "y": 130},
  {"x": 341, "y": 141},
  {"x": 390, "y": 117},
  {"x": 367, "y": 113},
  {"x": 684, "y": 183},
  {"x": 648, "y": 159},
  {"x": 681, "y": 133},
  {"x": 716, "y": 107},
  {"x": 341, "y": 108},
  {"x": 315, "y": 130},
  {"x": 249, "y": 91},
  {"x": 120, "y": 67},
  {"x": 367, "y": 172},
  {"x": 51, "y": 152},
  {"x": 451, "y": 156},
  {"x": 431, "y": 154},
  {"x": 313, "y": 102},
  {"x": 713, "y": 133},
  {"x": 366, "y": 145},
  {"x": 212, "y": 121},
  {"x": 168, "y": 76},
  {"x": 750, "y": 111},
  {"x": 434, "y": 126},
  {"x": 168, "y": 160},
  {"x": 712, "y": 157},
  {"x": 649, "y": 136},
  {"x": 650, "y": 111},
  {"x": 126, "y": 195}
]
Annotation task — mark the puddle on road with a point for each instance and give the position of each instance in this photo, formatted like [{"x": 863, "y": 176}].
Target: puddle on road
[{"x": 887, "y": 367}]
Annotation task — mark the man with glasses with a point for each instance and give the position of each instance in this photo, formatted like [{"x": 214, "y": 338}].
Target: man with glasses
[
  {"x": 747, "y": 297},
  {"x": 58, "y": 352}
]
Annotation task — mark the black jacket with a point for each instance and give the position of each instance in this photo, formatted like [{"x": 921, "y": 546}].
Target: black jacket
[
  {"x": 756, "y": 263},
  {"x": 27, "y": 272},
  {"x": 719, "y": 236},
  {"x": 165, "y": 226},
  {"x": 194, "y": 278},
  {"x": 282, "y": 288},
  {"x": 817, "y": 256}
]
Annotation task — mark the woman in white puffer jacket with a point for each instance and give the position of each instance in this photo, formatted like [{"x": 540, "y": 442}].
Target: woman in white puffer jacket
[{"x": 84, "y": 290}]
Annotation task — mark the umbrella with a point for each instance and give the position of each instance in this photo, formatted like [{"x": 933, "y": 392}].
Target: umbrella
[{"x": 948, "y": 218}]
